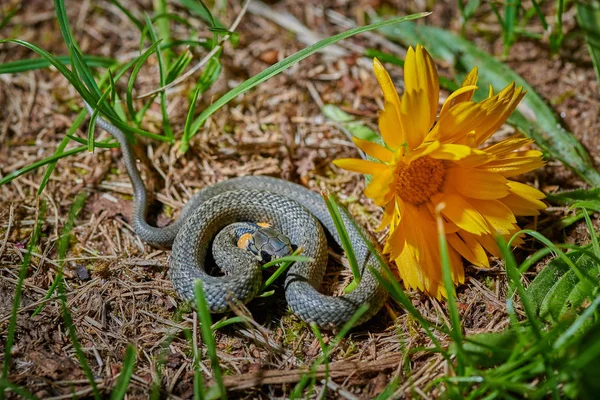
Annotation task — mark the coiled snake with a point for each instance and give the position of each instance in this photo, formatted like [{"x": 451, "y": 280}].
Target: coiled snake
[{"x": 290, "y": 208}]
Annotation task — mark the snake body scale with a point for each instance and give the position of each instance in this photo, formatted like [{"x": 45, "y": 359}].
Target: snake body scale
[{"x": 295, "y": 211}]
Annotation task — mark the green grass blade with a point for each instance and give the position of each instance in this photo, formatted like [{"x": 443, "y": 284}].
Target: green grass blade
[
  {"x": 162, "y": 70},
  {"x": 132, "y": 78},
  {"x": 164, "y": 28},
  {"x": 122, "y": 384},
  {"x": 129, "y": 15},
  {"x": 344, "y": 330},
  {"x": 594, "y": 238},
  {"x": 63, "y": 22},
  {"x": 540, "y": 14},
  {"x": 543, "y": 127},
  {"x": 557, "y": 36},
  {"x": 285, "y": 263},
  {"x": 229, "y": 321},
  {"x": 30, "y": 64},
  {"x": 84, "y": 72},
  {"x": 179, "y": 65},
  {"x": 92, "y": 126},
  {"x": 63, "y": 246},
  {"x": 207, "y": 336},
  {"x": 15, "y": 174},
  {"x": 340, "y": 227},
  {"x": 325, "y": 357},
  {"x": 12, "y": 324},
  {"x": 190, "y": 115},
  {"x": 211, "y": 73},
  {"x": 456, "y": 332},
  {"x": 516, "y": 285},
  {"x": 588, "y": 18},
  {"x": 515, "y": 281},
  {"x": 17, "y": 389},
  {"x": 107, "y": 111},
  {"x": 389, "y": 390},
  {"x": 61, "y": 67},
  {"x": 195, "y": 7},
  {"x": 60, "y": 149},
  {"x": 511, "y": 10},
  {"x": 282, "y": 66},
  {"x": 9, "y": 15}
]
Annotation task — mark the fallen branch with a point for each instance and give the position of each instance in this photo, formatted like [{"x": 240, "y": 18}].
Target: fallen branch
[{"x": 336, "y": 370}]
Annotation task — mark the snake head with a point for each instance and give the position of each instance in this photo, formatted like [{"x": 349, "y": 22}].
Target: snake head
[{"x": 265, "y": 242}]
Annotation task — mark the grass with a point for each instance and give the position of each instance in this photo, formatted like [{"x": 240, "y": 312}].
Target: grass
[{"x": 551, "y": 344}]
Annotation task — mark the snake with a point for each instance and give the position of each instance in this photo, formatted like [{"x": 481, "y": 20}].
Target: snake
[{"x": 210, "y": 217}]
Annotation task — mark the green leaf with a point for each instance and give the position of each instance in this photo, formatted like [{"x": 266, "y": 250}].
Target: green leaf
[
  {"x": 588, "y": 198},
  {"x": 557, "y": 292},
  {"x": 490, "y": 348},
  {"x": 540, "y": 123},
  {"x": 349, "y": 123},
  {"x": 211, "y": 73},
  {"x": 588, "y": 18},
  {"x": 282, "y": 66}
]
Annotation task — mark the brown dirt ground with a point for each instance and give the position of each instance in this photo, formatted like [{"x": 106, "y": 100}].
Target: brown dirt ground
[{"x": 277, "y": 130}]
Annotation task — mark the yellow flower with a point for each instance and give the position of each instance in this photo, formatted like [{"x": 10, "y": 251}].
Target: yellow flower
[{"x": 429, "y": 159}]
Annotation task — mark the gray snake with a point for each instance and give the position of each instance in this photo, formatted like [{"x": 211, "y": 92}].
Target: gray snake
[{"x": 290, "y": 208}]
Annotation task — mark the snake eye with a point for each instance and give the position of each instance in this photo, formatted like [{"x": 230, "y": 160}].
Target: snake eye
[{"x": 266, "y": 257}]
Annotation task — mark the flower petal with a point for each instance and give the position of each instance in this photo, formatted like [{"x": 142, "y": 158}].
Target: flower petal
[
  {"x": 452, "y": 152},
  {"x": 477, "y": 184},
  {"x": 463, "y": 92},
  {"x": 524, "y": 190},
  {"x": 510, "y": 97},
  {"x": 457, "y": 122},
  {"x": 468, "y": 247},
  {"x": 420, "y": 74},
  {"x": 361, "y": 166},
  {"x": 414, "y": 111},
  {"x": 498, "y": 215},
  {"x": 524, "y": 200},
  {"x": 507, "y": 146},
  {"x": 390, "y": 128},
  {"x": 470, "y": 80},
  {"x": 387, "y": 86},
  {"x": 462, "y": 213},
  {"x": 374, "y": 150},
  {"x": 381, "y": 188},
  {"x": 515, "y": 163},
  {"x": 389, "y": 118}
]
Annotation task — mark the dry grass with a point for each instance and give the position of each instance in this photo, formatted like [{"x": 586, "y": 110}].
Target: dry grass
[{"x": 117, "y": 287}]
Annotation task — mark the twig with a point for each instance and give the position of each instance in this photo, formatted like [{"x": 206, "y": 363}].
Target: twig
[
  {"x": 11, "y": 215},
  {"x": 336, "y": 370}
]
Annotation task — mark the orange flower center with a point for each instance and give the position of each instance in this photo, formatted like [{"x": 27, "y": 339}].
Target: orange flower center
[{"x": 418, "y": 181}]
